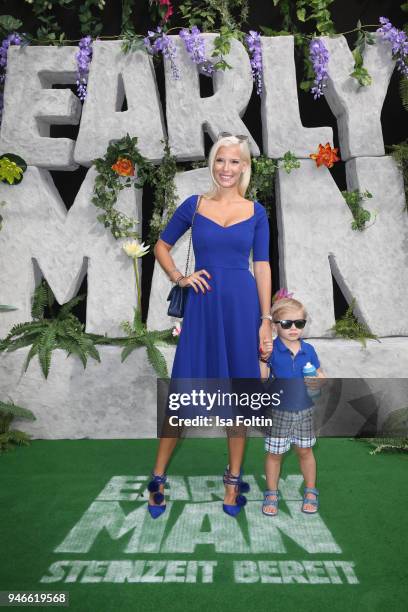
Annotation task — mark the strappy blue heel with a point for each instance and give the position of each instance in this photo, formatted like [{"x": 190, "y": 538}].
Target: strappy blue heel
[
  {"x": 312, "y": 502},
  {"x": 153, "y": 487},
  {"x": 240, "y": 487}
]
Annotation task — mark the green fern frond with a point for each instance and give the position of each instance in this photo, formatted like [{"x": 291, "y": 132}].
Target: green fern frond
[
  {"x": 404, "y": 92},
  {"x": 19, "y": 437},
  {"x": 129, "y": 348},
  {"x": 26, "y": 340},
  {"x": 20, "y": 328},
  {"x": 43, "y": 296},
  {"x": 93, "y": 352},
  {"x": 45, "y": 347},
  {"x": 79, "y": 351},
  {"x": 72, "y": 348},
  {"x": 68, "y": 334},
  {"x": 5, "y": 441},
  {"x": 67, "y": 344},
  {"x": 14, "y": 436},
  {"x": 162, "y": 335},
  {"x": 31, "y": 353},
  {"x": 167, "y": 343},
  {"x": 88, "y": 347},
  {"x": 157, "y": 360},
  {"x": 388, "y": 444},
  {"x": 117, "y": 340},
  {"x": 66, "y": 308},
  {"x": 16, "y": 411},
  {"x": 349, "y": 327}
]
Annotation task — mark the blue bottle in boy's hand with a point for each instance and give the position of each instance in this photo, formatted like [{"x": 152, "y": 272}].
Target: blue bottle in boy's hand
[{"x": 310, "y": 370}]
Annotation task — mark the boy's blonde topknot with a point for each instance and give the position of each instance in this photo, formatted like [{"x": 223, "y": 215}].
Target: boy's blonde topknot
[{"x": 285, "y": 304}]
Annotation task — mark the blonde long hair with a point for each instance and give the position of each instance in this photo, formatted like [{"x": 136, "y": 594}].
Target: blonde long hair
[{"x": 245, "y": 177}]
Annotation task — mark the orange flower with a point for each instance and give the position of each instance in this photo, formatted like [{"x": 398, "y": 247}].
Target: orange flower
[
  {"x": 326, "y": 156},
  {"x": 124, "y": 167}
]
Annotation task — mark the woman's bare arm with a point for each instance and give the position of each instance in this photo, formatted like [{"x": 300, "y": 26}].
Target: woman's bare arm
[
  {"x": 263, "y": 277},
  {"x": 262, "y": 273},
  {"x": 162, "y": 254},
  {"x": 195, "y": 279}
]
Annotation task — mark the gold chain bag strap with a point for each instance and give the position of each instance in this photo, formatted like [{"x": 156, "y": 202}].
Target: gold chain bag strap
[{"x": 177, "y": 296}]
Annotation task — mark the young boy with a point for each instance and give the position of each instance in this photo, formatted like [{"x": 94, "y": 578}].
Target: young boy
[{"x": 291, "y": 424}]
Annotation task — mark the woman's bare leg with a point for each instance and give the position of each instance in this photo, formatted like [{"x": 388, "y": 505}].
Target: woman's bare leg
[
  {"x": 164, "y": 453},
  {"x": 236, "y": 449}
]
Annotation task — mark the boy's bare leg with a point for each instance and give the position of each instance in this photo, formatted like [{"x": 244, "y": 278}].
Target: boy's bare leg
[
  {"x": 307, "y": 464},
  {"x": 272, "y": 470}
]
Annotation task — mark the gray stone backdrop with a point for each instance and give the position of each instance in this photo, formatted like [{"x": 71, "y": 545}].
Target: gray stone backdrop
[{"x": 40, "y": 238}]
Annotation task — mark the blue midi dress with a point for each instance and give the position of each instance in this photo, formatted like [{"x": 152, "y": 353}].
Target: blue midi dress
[{"x": 220, "y": 329}]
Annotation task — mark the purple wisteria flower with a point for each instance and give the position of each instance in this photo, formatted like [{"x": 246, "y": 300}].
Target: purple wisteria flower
[
  {"x": 195, "y": 47},
  {"x": 83, "y": 58},
  {"x": 158, "y": 42},
  {"x": 399, "y": 43},
  {"x": 253, "y": 40},
  {"x": 11, "y": 39},
  {"x": 319, "y": 56}
]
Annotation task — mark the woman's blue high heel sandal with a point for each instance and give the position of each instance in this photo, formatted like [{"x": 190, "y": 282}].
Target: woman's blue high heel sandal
[
  {"x": 153, "y": 487},
  {"x": 240, "y": 487}
]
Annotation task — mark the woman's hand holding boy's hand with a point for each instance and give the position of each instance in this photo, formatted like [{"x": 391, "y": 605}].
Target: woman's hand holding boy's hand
[{"x": 265, "y": 340}]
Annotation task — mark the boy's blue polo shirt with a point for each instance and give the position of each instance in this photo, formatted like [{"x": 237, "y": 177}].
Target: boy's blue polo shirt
[{"x": 283, "y": 365}]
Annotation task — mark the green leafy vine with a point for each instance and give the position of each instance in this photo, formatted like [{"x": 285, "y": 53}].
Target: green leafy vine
[
  {"x": 360, "y": 73},
  {"x": 165, "y": 193},
  {"x": 354, "y": 200},
  {"x": 90, "y": 23},
  {"x": 263, "y": 172},
  {"x": 109, "y": 182},
  {"x": 400, "y": 154},
  {"x": 318, "y": 11},
  {"x": 211, "y": 14}
]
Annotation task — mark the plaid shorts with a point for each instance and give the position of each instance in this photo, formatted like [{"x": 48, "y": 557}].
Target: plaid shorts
[{"x": 290, "y": 428}]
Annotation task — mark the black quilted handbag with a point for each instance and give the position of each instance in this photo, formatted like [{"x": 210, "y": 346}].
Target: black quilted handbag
[
  {"x": 177, "y": 298},
  {"x": 178, "y": 295}
]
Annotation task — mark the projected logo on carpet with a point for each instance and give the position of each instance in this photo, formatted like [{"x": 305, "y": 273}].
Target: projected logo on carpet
[{"x": 194, "y": 518}]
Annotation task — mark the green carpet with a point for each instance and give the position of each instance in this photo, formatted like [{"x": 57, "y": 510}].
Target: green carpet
[{"x": 352, "y": 556}]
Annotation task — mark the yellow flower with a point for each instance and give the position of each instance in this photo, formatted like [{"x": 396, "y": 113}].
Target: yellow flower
[{"x": 134, "y": 249}]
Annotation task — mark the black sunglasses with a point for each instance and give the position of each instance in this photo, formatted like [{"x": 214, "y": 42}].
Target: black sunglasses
[
  {"x": 287, "y": 323},
  {"x": 239, "y": 136}
]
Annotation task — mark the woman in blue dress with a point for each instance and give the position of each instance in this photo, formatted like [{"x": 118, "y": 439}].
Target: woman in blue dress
[{"x": 227, "y": 323}]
